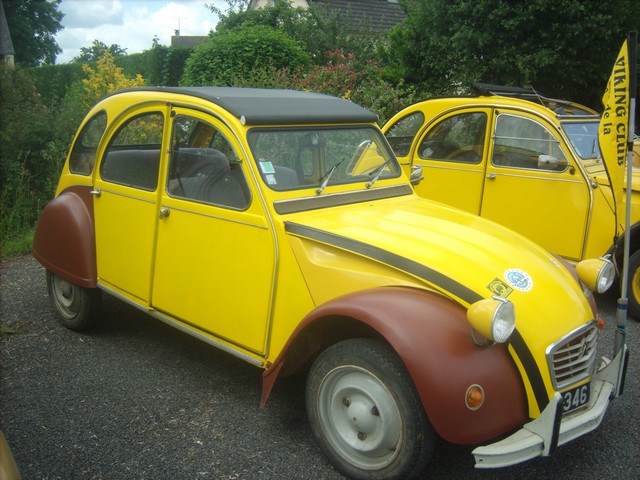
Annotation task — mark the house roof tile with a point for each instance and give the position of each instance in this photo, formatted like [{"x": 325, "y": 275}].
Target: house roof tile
[{"x": 379, "y": 15}]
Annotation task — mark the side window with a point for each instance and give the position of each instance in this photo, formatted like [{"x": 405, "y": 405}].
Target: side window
[
  {"x": 524, "y": 143},
  {"x": 400, "y": 135},
  {"x": 83, "y": 154},
  {"x": 204, "y": 166},
  {"x": 133, "y": 155},
  {"x": 459, "y": 138}
]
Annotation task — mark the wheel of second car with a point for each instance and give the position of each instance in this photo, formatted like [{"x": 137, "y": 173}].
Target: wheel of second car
[
  {"x": 78, "y": 308},
  {"x": 633, "y": 290},
  {"x": 365, "y": 413}
]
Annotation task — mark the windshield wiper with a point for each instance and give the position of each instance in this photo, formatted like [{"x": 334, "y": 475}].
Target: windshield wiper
[
  {"x": 378, "y": 171},
  {"x": 327, "y": 176}
]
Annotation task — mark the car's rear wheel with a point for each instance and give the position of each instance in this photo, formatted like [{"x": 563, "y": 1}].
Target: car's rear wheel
[
  {"x": 365, "y": 412},
  {"x": 78, "y": 308}
]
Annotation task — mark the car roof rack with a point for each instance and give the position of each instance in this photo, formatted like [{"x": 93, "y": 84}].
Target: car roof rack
[
  {"x": 502, "y": 90},
  {"x": 562, "y": 108}
]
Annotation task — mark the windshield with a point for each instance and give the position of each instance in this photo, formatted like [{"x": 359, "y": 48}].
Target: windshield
[
  {"x": 583, "y": 137},
  {"x": 316, "y": 157}
]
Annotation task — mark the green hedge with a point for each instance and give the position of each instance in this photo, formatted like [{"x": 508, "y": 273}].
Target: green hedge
[
  {"x": 53, "y": 81},
  {"x": 160, "y": 66},
  {"x": 236, "y": 53}
]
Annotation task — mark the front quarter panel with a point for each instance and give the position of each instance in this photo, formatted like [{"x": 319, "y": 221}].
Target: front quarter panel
[{"x": 432, "y": 336}]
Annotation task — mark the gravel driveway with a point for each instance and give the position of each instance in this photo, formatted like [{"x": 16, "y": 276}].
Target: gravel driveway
[{"x": 136, "y": 399}]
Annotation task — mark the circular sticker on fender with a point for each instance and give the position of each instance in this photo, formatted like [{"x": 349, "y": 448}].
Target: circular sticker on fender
[{"x": 519, "y": 279}]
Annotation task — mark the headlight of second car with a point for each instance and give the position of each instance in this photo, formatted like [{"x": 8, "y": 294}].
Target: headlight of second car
[
  {"x": 597, "y": 274},
  {"x": 494, "y": 318}
]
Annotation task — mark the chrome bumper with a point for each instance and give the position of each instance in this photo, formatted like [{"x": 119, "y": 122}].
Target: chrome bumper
[{"x": 541, "y": 436}]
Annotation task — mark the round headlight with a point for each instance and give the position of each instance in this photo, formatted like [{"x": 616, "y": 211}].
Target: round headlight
[
  {"x": 606, "y": 277},
  {"x": 494, "y": 318},
  {"x": 504, "y": 321},
  {"x": 597, "y": 274}
]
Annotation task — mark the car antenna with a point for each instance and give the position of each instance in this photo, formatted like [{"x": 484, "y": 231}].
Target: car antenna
[{"x": 535, "y": 92}]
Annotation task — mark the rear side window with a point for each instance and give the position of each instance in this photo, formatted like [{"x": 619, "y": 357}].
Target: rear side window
[
  {"x": 83, "y": 154},
  {"x": 133, "y": 155}
]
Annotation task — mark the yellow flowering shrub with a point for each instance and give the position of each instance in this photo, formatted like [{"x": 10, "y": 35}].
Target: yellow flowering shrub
[{"x": 104, "y": 79}]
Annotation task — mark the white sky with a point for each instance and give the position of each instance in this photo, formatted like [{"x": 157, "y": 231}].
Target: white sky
[{"x": 131, "y": 24}]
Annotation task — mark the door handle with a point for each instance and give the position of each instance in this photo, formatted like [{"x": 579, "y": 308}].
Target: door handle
[
  {"x": 491, "y": 176},
  {"x": 96, "y": 193},
  {"x": 164, "y": 212}
]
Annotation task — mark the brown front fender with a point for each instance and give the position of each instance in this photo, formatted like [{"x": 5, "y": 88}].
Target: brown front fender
[
  {"x": 64, "y": 241},
  {"x": 432, "y": 336}
]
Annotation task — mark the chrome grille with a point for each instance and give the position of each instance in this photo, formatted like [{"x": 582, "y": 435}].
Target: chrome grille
[{"x": 573, "y": 358}]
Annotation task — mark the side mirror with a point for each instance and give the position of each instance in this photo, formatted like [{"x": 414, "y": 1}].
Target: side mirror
[
  {"x": 416, "y": 175},
  {"x": 547, "y": 162}
]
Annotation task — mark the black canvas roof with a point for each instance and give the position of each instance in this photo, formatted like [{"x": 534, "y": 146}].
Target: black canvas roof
[{"x": 256, "y": 106}]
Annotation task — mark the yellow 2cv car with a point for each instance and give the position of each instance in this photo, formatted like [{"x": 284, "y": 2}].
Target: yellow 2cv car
[
  {"x": 523, "y": 160},
  {"x": 279, "y": 227}
]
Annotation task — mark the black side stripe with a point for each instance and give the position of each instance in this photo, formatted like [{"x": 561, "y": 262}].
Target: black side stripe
[
  {"x": 436, "y": 278},
  {"x": 531, "y": 367}
]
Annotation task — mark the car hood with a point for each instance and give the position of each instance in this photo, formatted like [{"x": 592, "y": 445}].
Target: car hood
[
  {"x": 603, "y": 180},
  {"x": 422, "y": 243}
]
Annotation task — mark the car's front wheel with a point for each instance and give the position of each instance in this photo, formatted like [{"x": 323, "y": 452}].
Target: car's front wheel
[
  {"x": 78, "y": 308},
  {"x": 365, "y": 412},
  {"x": 633, "y": 289}
]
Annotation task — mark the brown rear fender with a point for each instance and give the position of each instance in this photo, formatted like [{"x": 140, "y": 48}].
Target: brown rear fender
[
  {"x": 432, "y": 336},
  {"x": 64, "y": 241}
]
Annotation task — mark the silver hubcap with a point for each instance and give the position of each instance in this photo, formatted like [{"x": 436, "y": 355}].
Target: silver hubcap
[
  {"x": 360, "y": 417},
  {"x": 66, "y": 296}
]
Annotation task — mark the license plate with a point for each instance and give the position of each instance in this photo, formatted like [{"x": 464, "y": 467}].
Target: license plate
[{"x": 575, "y": 398}]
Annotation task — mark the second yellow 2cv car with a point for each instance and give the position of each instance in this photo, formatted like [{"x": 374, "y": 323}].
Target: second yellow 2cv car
[
  {"x": 528, "y": 162},
  {"x": 278, "y": 226}
]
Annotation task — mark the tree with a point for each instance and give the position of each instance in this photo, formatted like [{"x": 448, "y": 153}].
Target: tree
[
  {"x": 343, "y": 77},
  {"x": 318, "y": 28},
  {"x": 25, "y": 132},
  {"x": 233, "y": 6},
  {"x": 97, "y": 49},
  {"x": 563, "y": 48},
  {"x": 236, "y": 52},
  {"x": 33, "y": 25}
]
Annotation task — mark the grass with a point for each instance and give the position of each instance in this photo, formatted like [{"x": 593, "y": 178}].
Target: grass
[
  {"x": 18, "y": 245},
  {"x": 8, "y": 331}
]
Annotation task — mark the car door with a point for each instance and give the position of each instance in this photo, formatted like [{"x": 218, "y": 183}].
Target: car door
[
  {"x": 126, "y": 202},
  {"x": 451, "y": 152},
  {"x": 533, "y": 185},
  {"x": 215, "y": 254}
]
